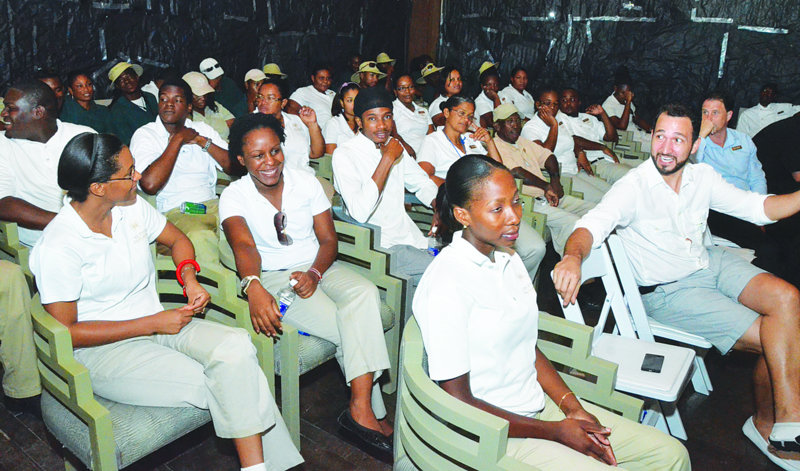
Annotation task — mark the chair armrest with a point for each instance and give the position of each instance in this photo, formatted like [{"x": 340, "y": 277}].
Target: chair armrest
[
  {"x": 13, "y": 248},
  {"x": 538, "y": 221},
  {"x": 68, "y": 381},
  {"x": 569, "y": 344}
]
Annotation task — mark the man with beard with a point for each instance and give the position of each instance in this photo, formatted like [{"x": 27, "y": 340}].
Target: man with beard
[
  {"x": 659, "y": 210},
  {"x": 178, "y": 160}
]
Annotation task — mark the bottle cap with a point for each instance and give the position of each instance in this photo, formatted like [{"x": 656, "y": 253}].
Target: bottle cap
[{"x": 292, "y": 282}]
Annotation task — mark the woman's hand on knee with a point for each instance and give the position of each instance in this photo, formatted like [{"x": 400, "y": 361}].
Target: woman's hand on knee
[
  {"x": 264, "y": 311},
  {"x": 582, "y": 436},
  {"x": 306, "y": 283}
]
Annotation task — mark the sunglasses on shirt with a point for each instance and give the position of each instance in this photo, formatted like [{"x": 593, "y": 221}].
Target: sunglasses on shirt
[{"x": 280, "y": 228}]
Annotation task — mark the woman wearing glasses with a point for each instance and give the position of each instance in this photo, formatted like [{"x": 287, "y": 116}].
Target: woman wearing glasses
[
  {"x": 342, "y": 126},
  {"x": 96, "y": 276},
  {"x": 412, "y": 121},
  {"x": 279, "y": 225},
  {"x": 458, "y": 137}
]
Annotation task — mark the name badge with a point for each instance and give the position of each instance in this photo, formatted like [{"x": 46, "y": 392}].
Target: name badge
[
  {"x": 422, "y": 112},
  {"x": 585, "y": 120},
  {"x": 736, "y": 148},
  {"x": 473, "y": 146}
]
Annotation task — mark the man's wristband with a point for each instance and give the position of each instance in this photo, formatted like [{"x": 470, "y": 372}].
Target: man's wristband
[{"x": 316, "y": 272}]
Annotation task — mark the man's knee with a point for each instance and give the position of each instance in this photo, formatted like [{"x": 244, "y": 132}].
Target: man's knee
[{"x": 674, "y": 455}]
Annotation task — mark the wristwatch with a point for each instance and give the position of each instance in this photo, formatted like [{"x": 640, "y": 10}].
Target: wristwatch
[
  {"x": 245, "y": 283},
  {"x": 208, "y": 144}
]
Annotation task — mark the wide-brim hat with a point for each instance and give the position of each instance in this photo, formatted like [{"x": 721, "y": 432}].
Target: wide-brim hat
[
  {"x": 273, "y": 69},
  {"x": 198, "y": 83},
  {"x": 504, "y": 111},
  {"x": 430, "y": 69},
  {"x": 368, "y": 66},
  {"x": 121, "y": 67},
  {"x": 211, "y": 68},
  {"x": 486, "y": 66},
  {"x": 384, "y": 58}
]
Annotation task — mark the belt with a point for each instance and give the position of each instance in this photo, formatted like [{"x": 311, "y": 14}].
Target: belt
[{"x": 647, "y": 289}]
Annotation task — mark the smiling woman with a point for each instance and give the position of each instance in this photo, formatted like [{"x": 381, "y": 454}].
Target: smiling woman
[{"x": 79, "y": 106}]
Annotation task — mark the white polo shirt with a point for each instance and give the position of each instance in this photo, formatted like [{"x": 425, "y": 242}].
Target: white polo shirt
[
  {"x": 523, "y": 101},
  {"x": 480, "y": 317},
  {"x": 194, "y": 176},
  {"x": 537, "y": 130},
  {"x": 319, "y": 102},
  {"x": 297, "y": 145},
  {"x": 302, "y": 199},
  {"x": 337, "y": 130},
  {"x": 483, "y": 105},
  {"x": 112, "y": 279},
  {"x": 438, "y": 151},
  {"x": 435, "y": 107},
  {"x": 353, "y": 165},
  {"x": 29, "y": 171},
  {"x": 411, "y": 125},
  {"x": 588, "y": 127},
  {"x": 752, "y": 120}
]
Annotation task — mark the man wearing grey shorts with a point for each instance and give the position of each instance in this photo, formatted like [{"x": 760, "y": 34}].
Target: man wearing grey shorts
[{"x": 659, "y": 210}]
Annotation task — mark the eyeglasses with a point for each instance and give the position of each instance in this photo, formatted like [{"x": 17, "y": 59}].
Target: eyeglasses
[
  {"x": 280, "y": 228},
  {"x": 127, "y": 177},
  {"x": 464, "y": 115},
  {"x": 209, "y": 69},
  {"x": 268, "y": 98}
]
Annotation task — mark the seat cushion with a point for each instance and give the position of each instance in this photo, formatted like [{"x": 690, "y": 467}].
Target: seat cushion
[{"x": 138, "y": 431}]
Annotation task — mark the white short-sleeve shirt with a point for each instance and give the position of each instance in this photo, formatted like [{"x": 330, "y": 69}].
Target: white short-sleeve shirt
[
  {"x": 337, "y": 130},
  {"x": 297, "y": 145},
  {"x": 435, "y": 107},
  {"x": 588, "y": 127},
  {"x": 112, "y": 279},
  {"x": 483, "y": 105},
  {"x": 194, "y": 176},
  {"x": 480, "y": 317},
  {"x": 319, "y": 102},
  {"x": 438, "y": 151},
  {"x": 302, "y": 199},
  {"x": 523, "y": 101},
  {"x": 29, "y": 171},
  {"x": 613, "y": 107},
  {"x": 411, "y": 125},
  {"x": 537, "y": 130}
]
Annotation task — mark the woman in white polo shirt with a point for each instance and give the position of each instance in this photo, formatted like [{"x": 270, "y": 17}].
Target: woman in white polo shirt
[
  {"x": 446, "y": 145},
  {"x": 516, "y": 94},
  {"x": 279, "y": 225},
  {"x": 477, "y": 311},
  {"x": 96, "y": 276},
  {"x": 412, "y": 121},
  {"x": 451, "y": 85},
  {"x": 342, "y": 126}
]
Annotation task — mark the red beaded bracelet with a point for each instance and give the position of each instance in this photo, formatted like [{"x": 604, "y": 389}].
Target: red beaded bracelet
[
  {"x": 316, "y": 272},
  {"x": 188, "y": 261}
]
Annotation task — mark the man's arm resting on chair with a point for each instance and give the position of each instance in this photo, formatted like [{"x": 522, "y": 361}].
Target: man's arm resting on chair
[
  {"x": 26, "y": 215},
  {"x": 567, "y": 272}
]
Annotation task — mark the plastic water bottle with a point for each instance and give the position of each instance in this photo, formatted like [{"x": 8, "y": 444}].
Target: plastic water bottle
[
  {"x": 286, "y": 296},
  {"x": 434, "y": 243}
]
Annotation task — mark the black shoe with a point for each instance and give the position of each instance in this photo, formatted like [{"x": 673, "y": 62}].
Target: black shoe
[
  {"x": 30, "y": 405},
  {"x": 370, "y": 441}
]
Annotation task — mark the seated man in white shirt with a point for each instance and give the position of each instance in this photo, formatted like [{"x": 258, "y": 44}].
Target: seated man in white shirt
[
  {"x": 371, "y": 171},
  {"x": 30, "y": 149},
  {"x": 318, "y": 96},
  {"x": 588, "y": 129},
  {"x": 555, "y": 136},
  {"x": 701, "y": 289},
  {"x": 178, "y": 160},
  {"x": 622, "y": 112},
  {"x": 526, "y": 160},
  {"x": 767, "y": 111}
]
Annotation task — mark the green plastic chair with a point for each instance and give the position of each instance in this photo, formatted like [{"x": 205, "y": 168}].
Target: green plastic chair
[
  {"x": 11, "y": 248},
  {"x": 298, "y": 354},
  {"x": 437, "y": 432},
  {"x": 323, "y": 167},
  {"x": 104, "y": 435}
]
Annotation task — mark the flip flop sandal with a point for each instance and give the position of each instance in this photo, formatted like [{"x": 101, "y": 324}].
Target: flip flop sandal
[
  {"x": 750, "y": 431},
  {"x": 784, "y": 440}
]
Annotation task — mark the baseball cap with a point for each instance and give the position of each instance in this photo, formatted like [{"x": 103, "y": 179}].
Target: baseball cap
[
  {"x": 211, "y": 68},
  {"x": 273, "y": 69},
  {"x": 198, "y": 82},
  {"x": 256, "y": 75},
  {"x": 487, "y": 65},
  {"x": 504, "y": 111},
  {"x": 121, "y": 67}
]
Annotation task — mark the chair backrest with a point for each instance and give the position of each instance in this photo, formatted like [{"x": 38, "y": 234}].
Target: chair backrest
[
  {"x": 436, "y": 431},
  {"x": 599, "y": 265},
  {"x": 12, "y": 249},
  {"x": 323, "y": 167},
  {"x": 630, "y": 288}
]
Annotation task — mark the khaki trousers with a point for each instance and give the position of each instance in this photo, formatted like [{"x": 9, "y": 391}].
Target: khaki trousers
[
  {"x": 17, "y": 351},
  {"x": 201, "y": 229},
  {"x": 205, "y": 365},
  {"x": 561, "y": 219},
  {"x": 637, "y": 447}
]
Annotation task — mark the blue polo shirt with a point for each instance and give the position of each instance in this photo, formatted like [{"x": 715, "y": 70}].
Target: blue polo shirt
[{"x": 736, "y": 161}]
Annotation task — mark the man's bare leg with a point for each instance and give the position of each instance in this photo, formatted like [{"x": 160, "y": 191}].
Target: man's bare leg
[{"x": 776, "y": 335}]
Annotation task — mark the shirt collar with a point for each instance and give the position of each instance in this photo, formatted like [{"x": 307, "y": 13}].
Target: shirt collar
[
  {"x": 653, "y": 177},
  {"x": 80, "y": 226},
  {"x": 468, "y": 252}
]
